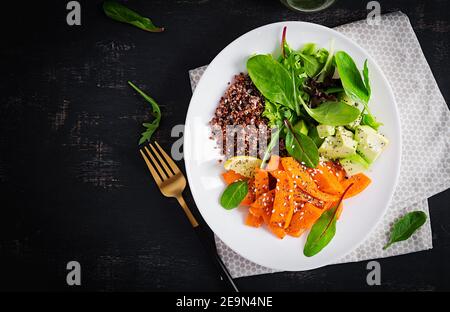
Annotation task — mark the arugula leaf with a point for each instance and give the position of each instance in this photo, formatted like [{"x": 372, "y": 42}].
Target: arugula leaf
[
  {"x": 234, "y": 194},
  {"x": 308, "y": 49},
  {"x": 323, "y": 231},
  {"x": 351, "y": 78},
  {"x": 333, "y": 113},
  {"x": 156, "y": 112},
  {"x": 327, "y": 67},
  {"x": 301, "y": 147},
  {"x": 406, "y": 226},
  {"x": 272, "y": 80},
  {"x": 121, "y": 13}
]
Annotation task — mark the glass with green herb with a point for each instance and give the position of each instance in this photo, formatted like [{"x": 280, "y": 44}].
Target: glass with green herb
[{"x": 308, "y": 5}]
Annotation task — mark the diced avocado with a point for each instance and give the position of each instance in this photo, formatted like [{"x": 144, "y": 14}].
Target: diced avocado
[
  {"x": 343, "y": 97},
  {"x": 354, "y": 164},
  {"x": 370, "y": 143},
  {"x": 301, "y": 127},
  {"x": 354, "y": 124},
  {"x": 341, "y": 132},
  {"x": 363, "y": 132},
  {"x": 337, "y": 147},
  {"x": 325, "y": 130}
]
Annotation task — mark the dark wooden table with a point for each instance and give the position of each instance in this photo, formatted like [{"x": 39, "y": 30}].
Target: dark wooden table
[{"x": 73, "y": 186}]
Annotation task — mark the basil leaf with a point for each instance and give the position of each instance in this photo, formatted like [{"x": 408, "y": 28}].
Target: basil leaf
[
  {"x": 272, "y": 80},
  {"x": 406, "y": 226},
  {"x": 121, "y": 13},
  {"x": 234, "y": 194},
  {"x": 156, "y": 112},
  {"x": 333, "y": 113},
  {"x": 301, "y": 147},
  {"x": 323, "y": 231},
  {"x": 351, "y": 78}
]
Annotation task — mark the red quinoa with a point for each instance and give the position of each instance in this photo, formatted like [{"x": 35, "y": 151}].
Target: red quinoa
[{"x": 241, "y": 105}]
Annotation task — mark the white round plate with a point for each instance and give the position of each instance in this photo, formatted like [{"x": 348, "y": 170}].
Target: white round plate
[{"x": 360, "y": 214}]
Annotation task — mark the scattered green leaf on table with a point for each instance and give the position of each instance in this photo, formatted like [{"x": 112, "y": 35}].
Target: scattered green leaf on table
[
  {"x": 301, "y": 147},
  {"x": 234, "y": 194},
  {"x": 121, "y": 13},
  {"x": 406, "y": 226},
  {"x": 272, "y": 80},
  {"x": 156, "y": 112},
  {"x": 333, "y": 113},
  {"x": 323, "y": 231}
]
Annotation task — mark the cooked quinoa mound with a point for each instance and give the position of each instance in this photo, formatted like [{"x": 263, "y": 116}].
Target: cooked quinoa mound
[{"x": 241, "y": 105}]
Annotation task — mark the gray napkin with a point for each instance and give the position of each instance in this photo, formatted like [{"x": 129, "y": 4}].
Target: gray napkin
[{"x": 425, "y": 123}]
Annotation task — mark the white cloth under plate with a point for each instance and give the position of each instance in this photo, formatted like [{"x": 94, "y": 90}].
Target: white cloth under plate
[{"x": 425, "y": 122}]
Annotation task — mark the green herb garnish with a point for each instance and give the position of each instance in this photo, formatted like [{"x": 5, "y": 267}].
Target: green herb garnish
[
  {"x": 234, "y": 194},
  {"x": 406, "y": 226},
  {"x": 323, "y": 231},
  {"x": 156, "y": 112},
  {"x": 121, "y": 13}
]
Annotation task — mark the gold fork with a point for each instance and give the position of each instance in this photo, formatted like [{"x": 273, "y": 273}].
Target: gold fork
[{"x": 171, "y": 182}]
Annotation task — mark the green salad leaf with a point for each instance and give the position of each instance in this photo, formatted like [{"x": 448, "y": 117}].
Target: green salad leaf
[
  {"x": 323, "y": 231},
  {"x": 333, "y": 113},
  {"x": 121, "y": 13},
  {"x": 234, "y": 194},
  {"x": 351, "y": 78},
  {"x": 311, "y": 65},
  {"x": 301, "y": 147},
  {"x": 156, "y": 112},
  {"x": 369, "y": 120},
  {"x": 272, "y": 80},
  {"x": 406, "y": 226}
]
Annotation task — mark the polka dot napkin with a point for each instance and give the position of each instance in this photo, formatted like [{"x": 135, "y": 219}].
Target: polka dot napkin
[{"x": 425, "y": 122}]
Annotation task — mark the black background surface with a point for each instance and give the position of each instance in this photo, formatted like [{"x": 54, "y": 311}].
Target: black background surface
[{"x": 72, "y": 183}]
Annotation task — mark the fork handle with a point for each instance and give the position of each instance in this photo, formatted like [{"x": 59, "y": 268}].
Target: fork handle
[
  {"x": 210, "y": 248},
  {"x": 220, "y": 266}
]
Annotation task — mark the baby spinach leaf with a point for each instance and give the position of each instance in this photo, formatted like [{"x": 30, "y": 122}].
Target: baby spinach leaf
[
  {"x": 406, "y": 226},
  {"x": 234, "y": 194},
  {"x": 323, "y": 231},
  {"x": 121, "y": 13},
  {"x": 311, "y": 65},
  {"x": 333, "y": 113},
  {"x": 156, "y": 112},
  {"x": 351, "y": 78},
  {"x": 301, "y": 147},
  {"x": 272, "y": 80}
]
